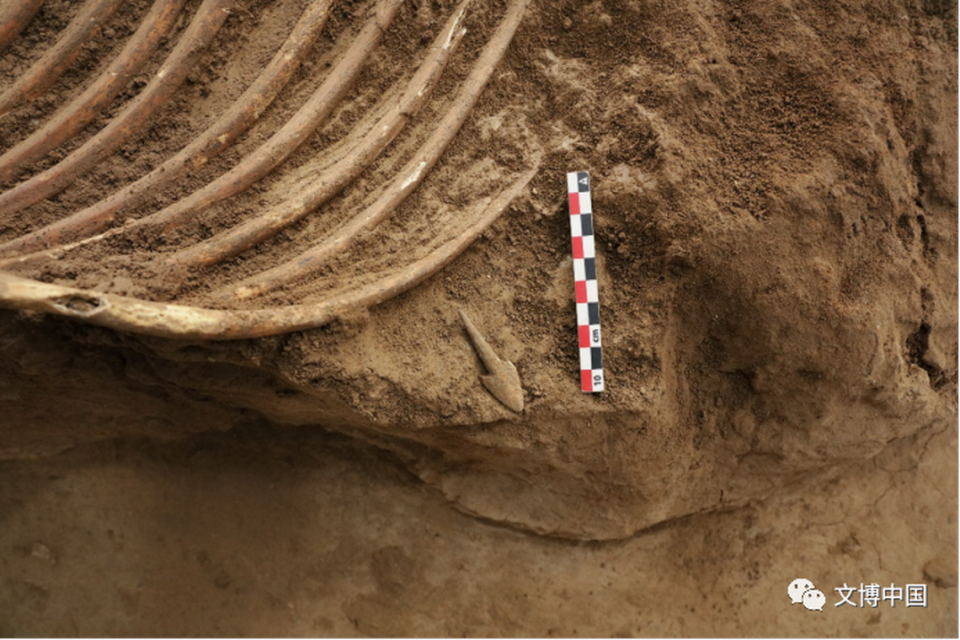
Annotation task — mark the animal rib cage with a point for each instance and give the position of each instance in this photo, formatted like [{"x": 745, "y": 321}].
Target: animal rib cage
[{"x": 270, "y": 243}]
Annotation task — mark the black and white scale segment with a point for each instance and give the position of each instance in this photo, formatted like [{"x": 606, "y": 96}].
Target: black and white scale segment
[{"x": 585, "y": 281}]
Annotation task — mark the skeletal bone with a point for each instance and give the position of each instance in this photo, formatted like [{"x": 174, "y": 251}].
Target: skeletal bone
[
  {"x": 14, "y": 16},
  {"x": 402, "y": 185},
  {"x": 381, "y": 280},
  {"x": 81, "y": 111},
  {"x": 219, "y": 136},
  {"x": 179, "y": 321},
  {"x": 206, "y": 23},
  {"x": 45, "y": 71}
]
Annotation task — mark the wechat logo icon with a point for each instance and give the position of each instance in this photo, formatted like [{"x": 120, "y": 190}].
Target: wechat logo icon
[{"x": 802, "y": 591}]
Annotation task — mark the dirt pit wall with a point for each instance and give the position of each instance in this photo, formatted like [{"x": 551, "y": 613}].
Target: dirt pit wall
[{"x": 775, "y": 189}]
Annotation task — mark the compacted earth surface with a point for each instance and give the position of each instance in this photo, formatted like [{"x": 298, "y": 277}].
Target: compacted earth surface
[{"x": 775, "y": 210}]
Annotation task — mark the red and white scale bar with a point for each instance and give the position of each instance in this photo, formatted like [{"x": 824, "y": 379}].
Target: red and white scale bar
[{"x": 585, "y": 281}]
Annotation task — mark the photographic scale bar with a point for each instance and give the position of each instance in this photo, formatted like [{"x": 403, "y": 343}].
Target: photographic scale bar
[{"x": 585, "y": 281}]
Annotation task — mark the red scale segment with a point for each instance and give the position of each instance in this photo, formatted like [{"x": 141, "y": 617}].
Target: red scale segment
[
  {"x": 581, "y": 287},
  {"x": 586, "y": 380},
  {"x": 584, "y": 331},
  {"x": 578, "y": 248}
]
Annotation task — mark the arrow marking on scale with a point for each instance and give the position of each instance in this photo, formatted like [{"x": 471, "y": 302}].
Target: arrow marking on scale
[{"x": 503, "y": 381}]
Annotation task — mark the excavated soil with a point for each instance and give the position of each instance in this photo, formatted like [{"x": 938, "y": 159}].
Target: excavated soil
[{"x": 775, "y": 197}]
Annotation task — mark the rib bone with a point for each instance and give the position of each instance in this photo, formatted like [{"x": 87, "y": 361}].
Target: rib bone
[
  {"x": 285, "y": 141},
  {"x": 83, "y": 109},
  {"x": 370, "y": 281},
  {"x": 179, "y": 321},
  {"x": 14, "y": 16},
  {"x": 219, "y": 136},
  {"x": 206, "y": 23},
  {"x": 45, "y": 71},
  {"x": 400, "y": 187}
]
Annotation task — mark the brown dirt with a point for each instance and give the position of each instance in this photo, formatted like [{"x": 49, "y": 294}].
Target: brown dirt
[{"x": 775, "y": 187}]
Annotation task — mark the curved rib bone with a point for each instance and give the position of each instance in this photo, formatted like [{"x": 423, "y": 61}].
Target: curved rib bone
[
  {"x": 45, "y": 71},
  {"x": 234, "y": 122},
  {"x": 400, "y": 187},
  {"x": 202, "y": 29},
  {"x": 14, "y": 17},
  {"x": 285, "y": 141},
  {"x": 179, "y": 321},
  {"x": 258, "y": 229},
  {"x": 85, "y": 107}
]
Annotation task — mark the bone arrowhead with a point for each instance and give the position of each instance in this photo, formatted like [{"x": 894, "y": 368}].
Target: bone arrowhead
[{"x": 503, "y": 381}]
